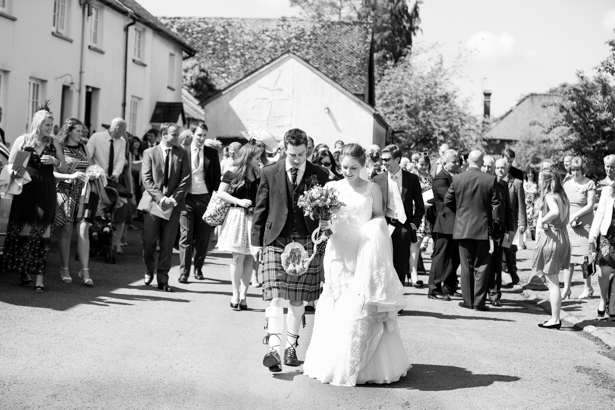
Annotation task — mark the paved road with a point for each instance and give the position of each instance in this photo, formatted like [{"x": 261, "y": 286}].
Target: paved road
[{"x": 121, "y": 345}]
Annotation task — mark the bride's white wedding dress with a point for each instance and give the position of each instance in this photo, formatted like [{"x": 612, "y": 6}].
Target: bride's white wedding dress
[{"x": 356, "y": 339}]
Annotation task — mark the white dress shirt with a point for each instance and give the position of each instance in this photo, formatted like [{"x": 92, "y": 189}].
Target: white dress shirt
[
  {"x": 395, "y": 204},
  {"x": 300, "y": 173},
  {"x": 199, "y": 187},
  {"x": 98, "y": 147}
]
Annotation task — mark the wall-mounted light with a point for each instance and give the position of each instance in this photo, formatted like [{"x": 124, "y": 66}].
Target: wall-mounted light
[{"x": 71, "y": 84}]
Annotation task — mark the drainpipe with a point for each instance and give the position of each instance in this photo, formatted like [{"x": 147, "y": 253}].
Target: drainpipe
[
  {"x": 126, "y": 27},
  {"x": 84, "y": 12}
]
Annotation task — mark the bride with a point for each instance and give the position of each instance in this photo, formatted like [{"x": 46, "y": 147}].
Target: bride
[{"x": 356, "y": 339}]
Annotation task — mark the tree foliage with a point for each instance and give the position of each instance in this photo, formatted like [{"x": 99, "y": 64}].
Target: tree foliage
[
  {"x": 418, "y": 98},
  {"x": 394, "y": 22}
]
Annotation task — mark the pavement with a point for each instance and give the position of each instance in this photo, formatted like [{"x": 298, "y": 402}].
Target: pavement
[{"x": 122, "y": 345}]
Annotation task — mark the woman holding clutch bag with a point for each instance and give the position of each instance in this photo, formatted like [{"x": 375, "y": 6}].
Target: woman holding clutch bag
[
  {"x": 602, "y": 240},
  {"x": 33, "y": 211},
  {"x": 69, "y": 190},
  {"x": 238, "y": 187}
]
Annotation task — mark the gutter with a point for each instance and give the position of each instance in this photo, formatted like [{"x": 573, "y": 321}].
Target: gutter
[{"x": 125, "y": 88}]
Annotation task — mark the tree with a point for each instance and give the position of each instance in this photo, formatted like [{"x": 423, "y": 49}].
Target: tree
[
  {"x": 418, "y": 98},
  {"x": 394, "y": 22}
]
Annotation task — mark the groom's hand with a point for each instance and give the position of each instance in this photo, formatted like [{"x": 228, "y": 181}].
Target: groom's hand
[{"x": 257, "y": 253}]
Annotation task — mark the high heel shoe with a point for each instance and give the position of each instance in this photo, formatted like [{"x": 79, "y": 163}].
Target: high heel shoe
[
  {"x": 234, "y": 306},
  {"x": 566, "y": 295},
  {"x": 87, "y": 282},
  {"x": 555, "y": 326},
  {"x": 65, "y": 278},
  {"x": 586, "y": 294},
  {"x": 243, "y": 305}
]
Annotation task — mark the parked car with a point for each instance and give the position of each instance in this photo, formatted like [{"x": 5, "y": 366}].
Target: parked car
[{"x": 5, "y": 203}]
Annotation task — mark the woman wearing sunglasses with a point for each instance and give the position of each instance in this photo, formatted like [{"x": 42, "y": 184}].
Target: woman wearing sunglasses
[{"x": 326, "y": 160}]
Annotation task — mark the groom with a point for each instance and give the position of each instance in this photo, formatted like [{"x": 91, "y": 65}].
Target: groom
[
  {"x": 277, "y": 222},
  {"x": 403, "y": 206}
]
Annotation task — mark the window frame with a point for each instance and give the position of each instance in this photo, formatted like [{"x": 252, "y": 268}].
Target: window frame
[
  {"x": 134, "y": 114},
  {"x": 139, "y": 46},
  {"x": 4, "y": 6},
  {"x": 33, "y": 83},
  {"x": 96, "y": 25},
  {"x": 60, "y": 11},
  {"x": 171, "y": 71}
]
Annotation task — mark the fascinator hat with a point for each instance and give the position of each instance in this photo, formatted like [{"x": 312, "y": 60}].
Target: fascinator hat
[{"x": 271, "y": 144}]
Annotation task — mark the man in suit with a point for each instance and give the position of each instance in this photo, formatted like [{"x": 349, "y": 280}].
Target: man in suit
[
  {"x": 516, "y": 198},
  {"x": 277, "y": 222},
  {"x": 473, "y": 196},
  {"x": 510, "y": 155},
  {"x": 439, "y": 164},
  {"x": 403, "y": 206},
  {"x": 149, "y": 140},
  {"x": 506, "y": 226},
  {"x": 194, "y": 232},
  {"x": 445, "y": 257},
  {"x": 167, "y": 179}
]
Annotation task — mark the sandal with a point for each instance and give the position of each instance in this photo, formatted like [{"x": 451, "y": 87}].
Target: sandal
[
  {"x": 67, "y": 278},
  {"x": 26, "y": 280},
  {"x": 87, "y": 282},
  {"x": 39, "y": 289}
]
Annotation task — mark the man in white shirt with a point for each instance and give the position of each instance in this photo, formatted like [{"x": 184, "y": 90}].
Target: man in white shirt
[
  {"x": 438, "y": 165},
  {"x": 108, "y": 150},
  {"x": 194, "y": 232}
]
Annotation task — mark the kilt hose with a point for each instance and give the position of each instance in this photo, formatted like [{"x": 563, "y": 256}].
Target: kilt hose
[{"x": 277, "y": 284}]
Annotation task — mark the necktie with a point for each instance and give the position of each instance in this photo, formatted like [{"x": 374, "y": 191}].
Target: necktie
[
  {"x": 111, "y": 158},
  {"x": 165, "y": 182},
  {"x": 197, "y": 158},
  {"x": 399, "y": 203},
  {"x": 293, "y": 174}
]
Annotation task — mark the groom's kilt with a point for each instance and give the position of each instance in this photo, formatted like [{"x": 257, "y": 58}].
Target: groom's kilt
[{"x": 277, "y": 284}]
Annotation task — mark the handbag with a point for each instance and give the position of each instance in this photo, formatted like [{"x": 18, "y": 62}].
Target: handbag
[
  {"x": 216, "y": 210},
  {"x": 588, "y": 268}
]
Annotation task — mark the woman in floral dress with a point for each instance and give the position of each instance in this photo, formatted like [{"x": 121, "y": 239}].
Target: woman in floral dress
[
  {"x": 424, "y": 231},
  {"x": 531, "y": 192},
  {"x": 33, "y": 211}
]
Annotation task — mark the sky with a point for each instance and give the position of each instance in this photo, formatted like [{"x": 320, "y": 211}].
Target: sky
[{"x": 514, "y": 47}]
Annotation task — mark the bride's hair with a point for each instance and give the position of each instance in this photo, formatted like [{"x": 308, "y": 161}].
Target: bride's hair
[{"x": 354, "y": 151}]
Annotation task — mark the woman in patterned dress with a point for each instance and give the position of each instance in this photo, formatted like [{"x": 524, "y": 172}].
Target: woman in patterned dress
[
  {"x": 582, "y": 194},
  {"x": 238, "y": 187},
  {"x": 602, "y": 239},
  {"x": 552, "y": 251},
  {"x": 531, "y": 191},
  {"x": 33, "y": 211},
  {"x": 68, "y": 212}
]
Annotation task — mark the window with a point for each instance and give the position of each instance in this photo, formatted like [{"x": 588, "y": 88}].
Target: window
[
  {"x": 95, "y": 26},
  {"x": 139, "y": 33},
  {"x": 134, "y": 114},
  {"x": 171, "y": 79},
  {"x": 4, "y": 5},
  {"x": 34, "y": 98},
  {"x": 59, "y": 16}
]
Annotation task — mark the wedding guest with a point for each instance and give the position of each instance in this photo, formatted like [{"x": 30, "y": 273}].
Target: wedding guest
[
  {"x": 445, "y": 257},
  {"x": 85, "y": 133},
  {"x": 424, "y": 230},
  {"x": 1, "y": 130},
  {"x": 567, "y": 161},
  {"x": 227, "y": 163},
  {"x": 531, "y": 191},
  {"x": 506, "y": 226},
  {"x": 108, "y": 150},
  {"x": 338, "y": 146},
  {"x": 167, "y": 179},
  {"x": 516, "y": 196},
  {"x": 552, "y": 251},
  {"x": 135, "y": 154},
  {"x": 185, "y": 140},
  {"x": 69, "y": 190},
  {"x": 438, "y": 165},
  {"x": 404, "y": 163},
  {"x": 325, "y": 159},
  {"x": 194, "y": 232},
  {"x": 404, "y": 208},
  {"x": 581, "y": 193},
  {"x": 310, "y": 149},
  {"x": 149, "y": 140},
  {"x": 33, "y": 211},
  {"x": 602, "y": 240},
  {"x": 239, "y": 186},
  {"x": 473, "y": 196},
  {"x": 609, "y": 169},
  {"x": 510, "y": 158},
  {"x": 266, "y": 142}
]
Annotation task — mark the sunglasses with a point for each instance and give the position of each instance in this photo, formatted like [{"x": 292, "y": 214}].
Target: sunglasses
[{"x": 386, "y": 159}]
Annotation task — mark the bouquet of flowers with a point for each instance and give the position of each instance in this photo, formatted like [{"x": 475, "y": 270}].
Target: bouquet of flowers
[{"x": 317, "y": 202}]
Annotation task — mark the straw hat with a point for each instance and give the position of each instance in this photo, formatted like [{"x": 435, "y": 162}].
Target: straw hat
[{"x": 271, "y": 144}]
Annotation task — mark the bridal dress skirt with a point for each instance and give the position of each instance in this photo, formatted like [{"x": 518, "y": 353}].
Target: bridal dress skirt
[{"x": 365, "y": 349}]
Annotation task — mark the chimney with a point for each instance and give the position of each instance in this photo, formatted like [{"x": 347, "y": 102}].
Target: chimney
[{"x": 487, "y": 104}]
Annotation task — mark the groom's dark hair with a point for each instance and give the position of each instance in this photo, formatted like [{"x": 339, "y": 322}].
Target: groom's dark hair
[{"x": 295, "y": 137}]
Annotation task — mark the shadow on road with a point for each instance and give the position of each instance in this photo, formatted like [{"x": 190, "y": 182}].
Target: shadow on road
[
  {"x": 430, "y": 377},
  {"x": 436, "y": 315}
]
